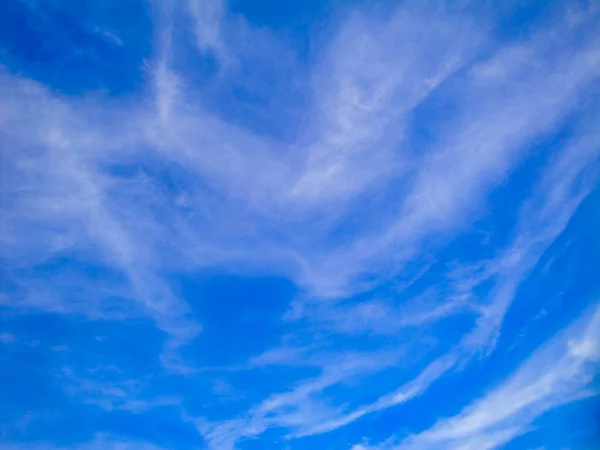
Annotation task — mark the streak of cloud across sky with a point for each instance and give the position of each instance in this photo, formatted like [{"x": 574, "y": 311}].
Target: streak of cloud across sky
[{"x": 303, "y": 224}]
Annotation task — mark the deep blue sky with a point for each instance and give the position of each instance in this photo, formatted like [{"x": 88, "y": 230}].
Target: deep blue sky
[{"x": 361, "y": 225}]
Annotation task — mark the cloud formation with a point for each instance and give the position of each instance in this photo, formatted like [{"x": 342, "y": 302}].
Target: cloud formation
[
  {"x": 555, "y": 374},
  {"x": 286, "y": 227}
]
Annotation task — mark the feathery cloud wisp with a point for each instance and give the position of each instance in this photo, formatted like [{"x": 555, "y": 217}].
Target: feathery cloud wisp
[{"x": 288, "y": 224}]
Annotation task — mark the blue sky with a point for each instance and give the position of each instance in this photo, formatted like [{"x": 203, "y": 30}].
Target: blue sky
[{"x": 299, "y": 225}]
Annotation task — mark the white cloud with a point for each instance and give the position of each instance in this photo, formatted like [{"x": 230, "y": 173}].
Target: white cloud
[
  {"x": 55, "y": 189},
  {"x": 555, "y": 374},
  {"x": 259, "y": 193},
  {"x": 543, "y": 219},
  {"x": 565, "y": 183},
  {"x": 375, "y": 73},
  {"x": 408, "y": 391},
  {"x": 111, "y": 389},
  {"x": 208, "y": 16},
  {"x": 249, "y": 203},
  {"x": 545, "y": 215},
  {"x": 487, "y": 140},
  {"x": 300, "y": 408}
]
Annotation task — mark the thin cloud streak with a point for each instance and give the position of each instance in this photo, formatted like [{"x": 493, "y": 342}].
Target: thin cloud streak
[
  {"x": 556, "y": 374},
  {"x": 543, "y": 218}
]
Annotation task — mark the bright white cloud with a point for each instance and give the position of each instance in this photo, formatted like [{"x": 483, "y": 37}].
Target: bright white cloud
[{"x": 555, "y": 374}]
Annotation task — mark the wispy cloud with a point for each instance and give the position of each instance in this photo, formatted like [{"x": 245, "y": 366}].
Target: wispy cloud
[
  {"x": 414, "y": 120},
  {"x": 558, "y": 373},
  {"x": 564, "y": 184},
  {"x": 300, "y": 408},
  {"x": 208, "y": 17},
  {"x": 109, "y": 389}
]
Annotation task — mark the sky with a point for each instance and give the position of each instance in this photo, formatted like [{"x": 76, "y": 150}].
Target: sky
[{"x": 302, "y": 224}]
